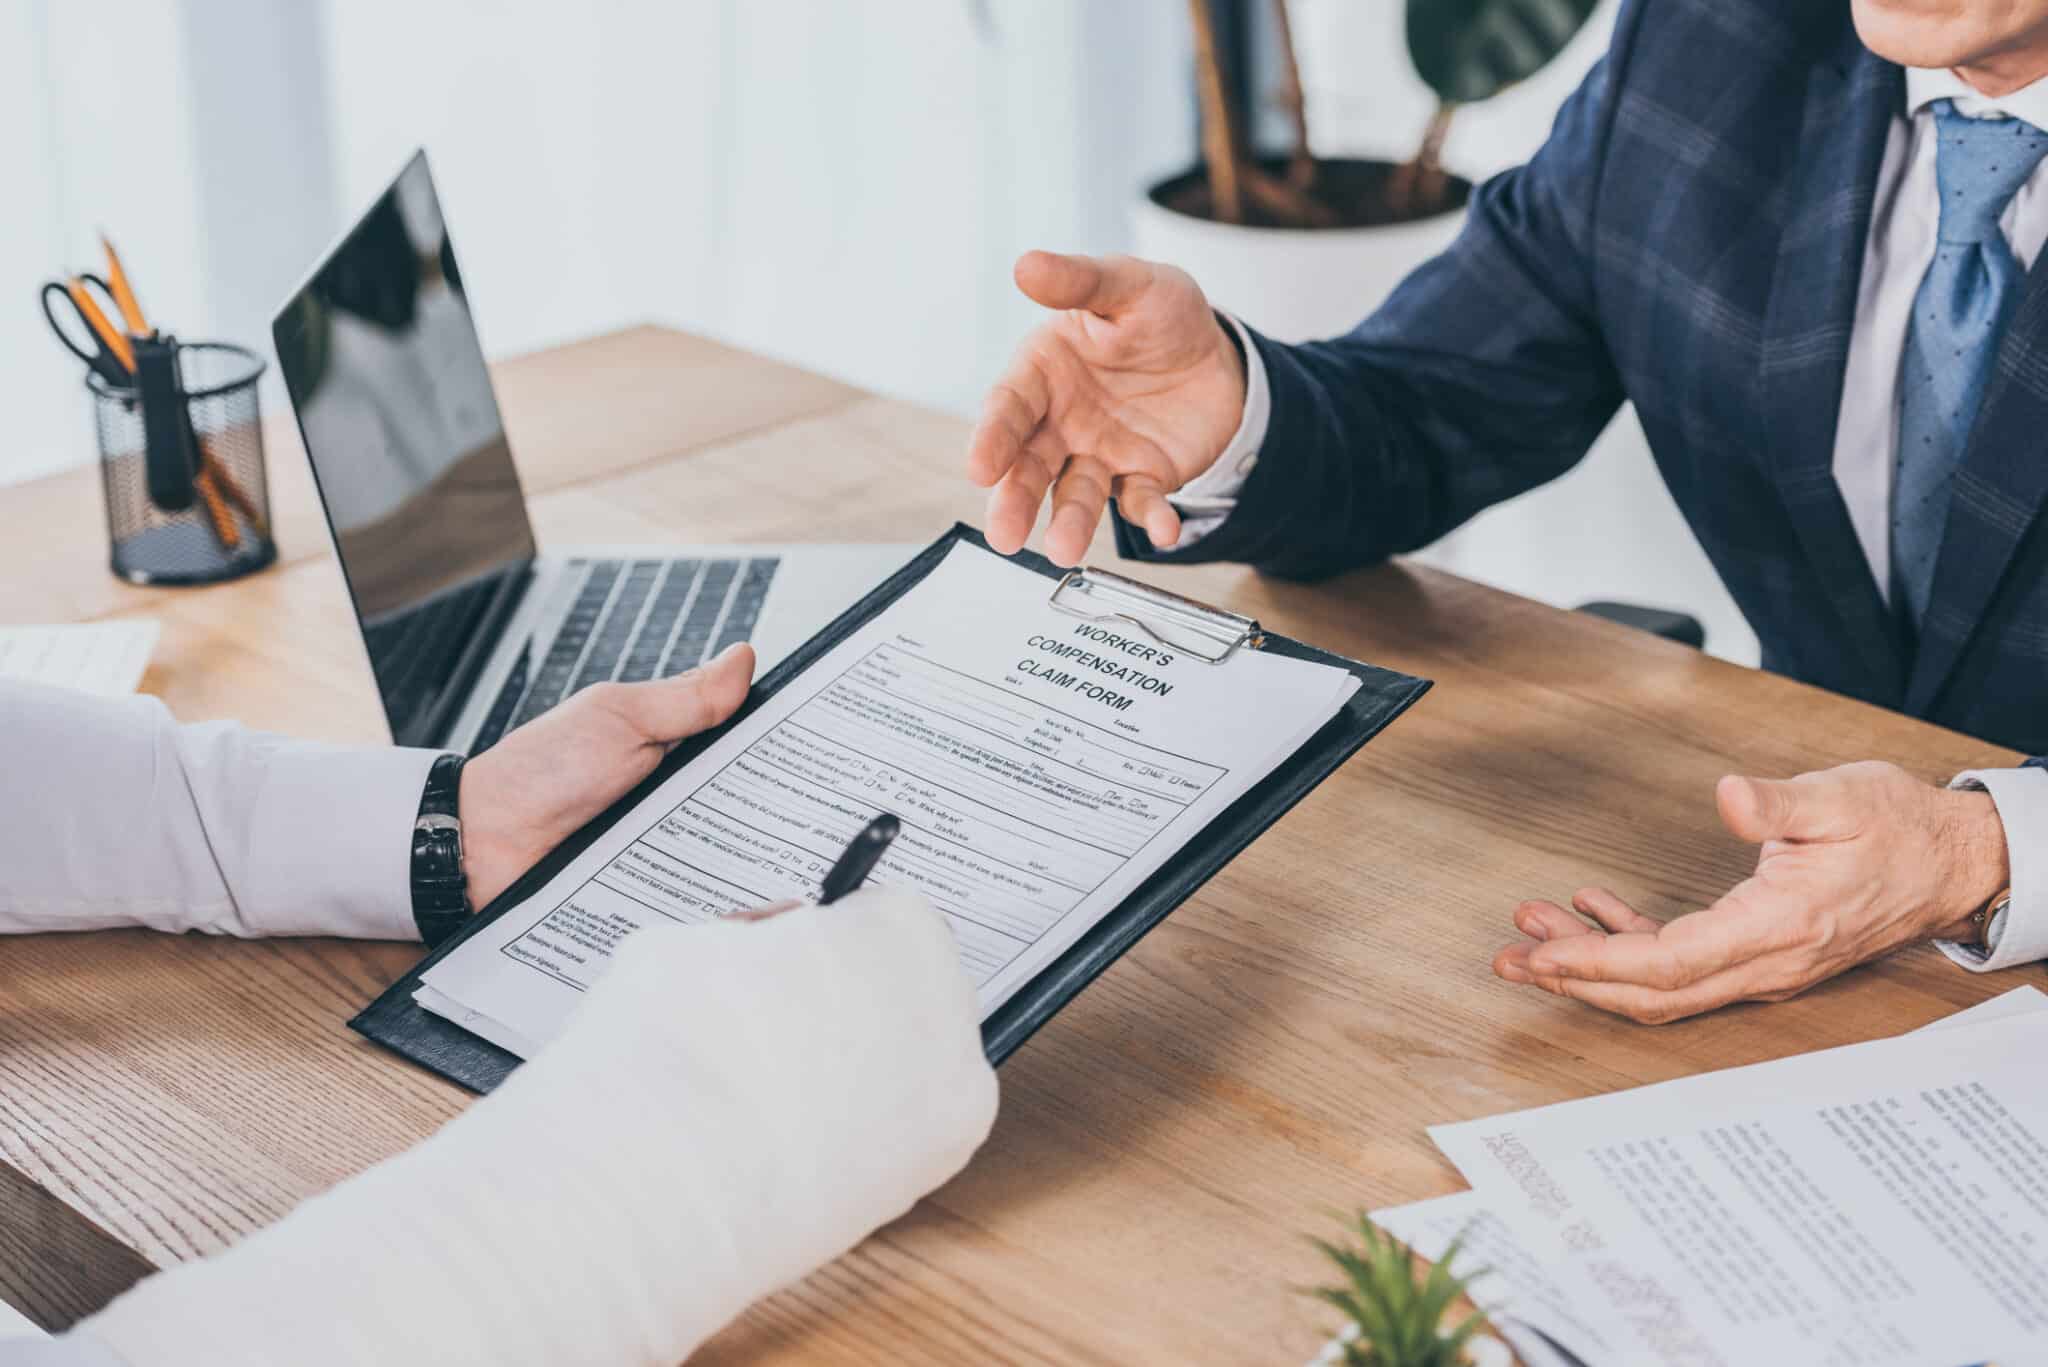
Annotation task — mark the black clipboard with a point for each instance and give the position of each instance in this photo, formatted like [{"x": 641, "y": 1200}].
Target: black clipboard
[{"x": 400, "y": 1024}]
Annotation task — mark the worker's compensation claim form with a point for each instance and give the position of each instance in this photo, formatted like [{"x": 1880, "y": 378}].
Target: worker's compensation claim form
[{"x": 1042, "y": 766}]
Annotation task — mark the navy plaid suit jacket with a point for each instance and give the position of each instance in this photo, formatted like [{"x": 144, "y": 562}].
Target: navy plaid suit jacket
[{"x": 1690, "y": 239}]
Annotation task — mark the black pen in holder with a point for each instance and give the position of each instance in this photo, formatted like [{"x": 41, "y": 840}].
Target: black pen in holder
[{"x": 181, "y": 459}]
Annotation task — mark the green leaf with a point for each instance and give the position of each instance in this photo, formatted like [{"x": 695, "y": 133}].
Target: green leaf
[
  {"x": 1471, "y": 50},
  {"x": 1400, "y": 1320}
]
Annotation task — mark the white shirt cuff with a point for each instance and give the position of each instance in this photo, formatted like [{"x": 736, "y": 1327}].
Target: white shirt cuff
[
  {"x": 1210, "y": 497},
  {"x": 2019, "y": 934},
  {"x": 330, "y": 849}
]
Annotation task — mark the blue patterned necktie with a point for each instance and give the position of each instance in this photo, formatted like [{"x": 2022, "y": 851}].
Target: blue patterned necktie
[{"x": 1958, "y": 316}]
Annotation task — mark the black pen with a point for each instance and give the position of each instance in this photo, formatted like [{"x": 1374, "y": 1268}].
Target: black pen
[{"x": 862, "y": 854}]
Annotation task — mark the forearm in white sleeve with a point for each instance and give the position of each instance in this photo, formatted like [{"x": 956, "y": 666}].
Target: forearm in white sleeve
[
  {"x": 733, "y": 1105},
  {"x": 2019, "y": 934},
  {"x": 113, "y": 814},
  {"x": 1209, "y": 498}
]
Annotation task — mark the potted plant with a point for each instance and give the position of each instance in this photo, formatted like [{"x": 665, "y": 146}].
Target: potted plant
[
  {"x": 1304, "y": 246},
  {"x": 1394, "y": 1319}
]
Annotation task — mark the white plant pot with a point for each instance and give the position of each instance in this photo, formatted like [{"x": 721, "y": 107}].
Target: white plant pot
[{"x": 1293, "y": 284}]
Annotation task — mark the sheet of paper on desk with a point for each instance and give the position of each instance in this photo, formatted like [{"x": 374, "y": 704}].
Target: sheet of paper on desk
[
  {"x": 1875, "y": 1204},
  {"x": 1518, "y": 1286},
  {"x": 1513, "y": 1283},
  {"x": 1042, "y": 766},
  {"x": 106, "y": 658}
]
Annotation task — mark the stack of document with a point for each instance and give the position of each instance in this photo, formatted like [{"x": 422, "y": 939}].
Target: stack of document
[
  {"x": 1042, "y": 765},
  {"x": 1882, "y": 1203}
]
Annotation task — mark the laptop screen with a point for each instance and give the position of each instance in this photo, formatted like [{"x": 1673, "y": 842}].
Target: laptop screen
[{"x": 395, "y": 405}]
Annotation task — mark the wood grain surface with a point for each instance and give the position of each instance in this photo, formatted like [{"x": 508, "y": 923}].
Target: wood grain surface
[{"x": 1272, "y": 1053}]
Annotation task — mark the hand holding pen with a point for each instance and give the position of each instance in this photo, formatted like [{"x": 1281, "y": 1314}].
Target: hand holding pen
[
  {"x": 853, "y": 868},
  {"x": 858, "y": 862}
]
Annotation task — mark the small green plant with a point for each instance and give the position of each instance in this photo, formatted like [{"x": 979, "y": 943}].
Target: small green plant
[{"x": 1400, "y": 1321}]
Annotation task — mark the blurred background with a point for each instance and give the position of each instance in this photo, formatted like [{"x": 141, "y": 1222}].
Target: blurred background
[{"x": 841, "y": 185}]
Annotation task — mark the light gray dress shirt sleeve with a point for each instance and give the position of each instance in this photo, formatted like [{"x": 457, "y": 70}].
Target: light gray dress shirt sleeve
[
  {"x": 1210, "y": 497},
  {"x": 2019, "y": 934},
  {"x": 113, "y": 814}
]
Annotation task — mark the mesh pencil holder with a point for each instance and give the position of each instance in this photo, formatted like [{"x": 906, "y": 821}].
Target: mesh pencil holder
[{"x": 181, "y": 457}]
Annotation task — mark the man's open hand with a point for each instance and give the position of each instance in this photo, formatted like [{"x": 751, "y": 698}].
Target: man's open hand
[
  {"x": 533, "y": 789},
  {"x": 1856, "y": 862},
  {"x": 1131, "y": 391}
]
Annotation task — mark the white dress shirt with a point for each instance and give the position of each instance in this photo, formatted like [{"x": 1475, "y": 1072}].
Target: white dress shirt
[
  {"x": 761, "y": 1096},
  {"x": 115, "y": 815},
  {"x": 1904, "y": 218}
]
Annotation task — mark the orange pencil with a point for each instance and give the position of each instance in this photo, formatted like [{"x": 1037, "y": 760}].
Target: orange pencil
[
  {"x": 225, "y": 484},
  {"x": 124, "y": 293},
  {"x": 216, "y": 510},
  {"x": 97, "y": 321}
]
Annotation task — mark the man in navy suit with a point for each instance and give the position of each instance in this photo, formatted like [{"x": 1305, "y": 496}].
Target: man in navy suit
[{"x": 1798, "y": 236}]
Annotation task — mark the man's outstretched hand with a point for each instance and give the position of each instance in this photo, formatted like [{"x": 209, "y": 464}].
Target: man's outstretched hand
[
  {"x": 1129, "y": 392},
  {"x": 537, "y": 786},
  {"x": 1856, "y": 862}
]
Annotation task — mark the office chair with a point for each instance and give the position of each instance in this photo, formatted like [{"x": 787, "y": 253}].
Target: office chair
[{"x": 1672, "y": 626}]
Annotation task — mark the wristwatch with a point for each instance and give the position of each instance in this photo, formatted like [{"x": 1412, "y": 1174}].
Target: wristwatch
[
  {"x": 1986, "y": 919},
  {"x": 440, "y": 891}
]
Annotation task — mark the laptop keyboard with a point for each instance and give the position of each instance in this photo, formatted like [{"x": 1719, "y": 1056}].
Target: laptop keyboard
[
  {"x": 413, "y": 652},
  {"x": 634, "y": 620}
]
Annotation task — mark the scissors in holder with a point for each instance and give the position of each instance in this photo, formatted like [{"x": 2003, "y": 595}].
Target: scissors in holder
[
  {"x": 105, "y": 348},
  {"x": 178, "y": 461}
]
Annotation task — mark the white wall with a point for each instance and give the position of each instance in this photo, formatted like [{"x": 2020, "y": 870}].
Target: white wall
[
  {"x": 192, "y": 133},
  {"x": 83, "y": 146},
  {"x": 842, "y": 185},
  {"x": 45, "y": 430}
]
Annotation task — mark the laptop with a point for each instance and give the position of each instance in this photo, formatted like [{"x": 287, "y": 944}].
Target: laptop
[{"x": 471, "y": 629}]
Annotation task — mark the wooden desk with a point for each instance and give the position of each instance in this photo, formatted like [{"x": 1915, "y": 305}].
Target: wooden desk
[{"x": 1272, "y": 1051}]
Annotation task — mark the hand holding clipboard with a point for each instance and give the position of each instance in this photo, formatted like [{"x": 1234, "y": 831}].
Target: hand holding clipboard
[{"x": 1070, "y": 759}]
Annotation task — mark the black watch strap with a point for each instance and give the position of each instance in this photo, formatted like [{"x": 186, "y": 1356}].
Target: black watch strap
[{"x": 440, "y": 891}]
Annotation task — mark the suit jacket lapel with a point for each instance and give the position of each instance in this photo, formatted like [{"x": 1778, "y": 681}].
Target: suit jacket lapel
[
  {"x": 1850, "y": 102},
  {"x": 1996, "y": 496}
]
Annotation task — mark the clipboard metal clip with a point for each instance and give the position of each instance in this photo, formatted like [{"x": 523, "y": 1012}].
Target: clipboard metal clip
[{"x": 1197, "y": 630}]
